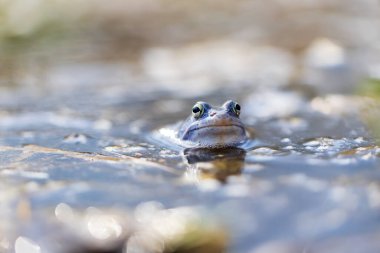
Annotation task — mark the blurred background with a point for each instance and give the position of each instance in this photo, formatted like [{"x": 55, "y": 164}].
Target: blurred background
[
  {"x": 84, "y": 83},
  {"x": 326, "y": 46}
]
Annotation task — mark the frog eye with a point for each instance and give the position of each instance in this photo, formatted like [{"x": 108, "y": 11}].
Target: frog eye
[
  {"x": 236, "y": 108},
  {"x": 198, "y": 110}
]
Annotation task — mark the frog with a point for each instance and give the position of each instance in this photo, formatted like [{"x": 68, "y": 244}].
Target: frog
[{"x": 213, "y": 127}]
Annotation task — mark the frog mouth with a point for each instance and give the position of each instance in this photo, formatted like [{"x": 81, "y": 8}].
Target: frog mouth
[
  {"x": 216, "y": 134},
  {"x": 214, "y": 126}
]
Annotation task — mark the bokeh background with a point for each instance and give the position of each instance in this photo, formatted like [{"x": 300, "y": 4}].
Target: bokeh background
[
  {"x": 327, "y": 46},
  {"x": 193, "y": 48},
  {"x": 84, "y": 83}
]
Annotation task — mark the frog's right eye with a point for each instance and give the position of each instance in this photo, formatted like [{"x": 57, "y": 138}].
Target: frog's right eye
[{"x": 198, "y": 110}]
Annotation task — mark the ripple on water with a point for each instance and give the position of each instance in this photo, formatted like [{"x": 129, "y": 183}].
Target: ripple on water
[
  {"x": 272, "y": 184},
  {"x": 262, "y": 154}
]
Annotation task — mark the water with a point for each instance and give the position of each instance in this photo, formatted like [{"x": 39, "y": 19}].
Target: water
[
  {"x": 89, "y": 93},
  {"x": 88, "y": 166}
]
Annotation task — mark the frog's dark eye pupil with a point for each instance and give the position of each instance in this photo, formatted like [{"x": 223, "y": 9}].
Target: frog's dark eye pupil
[
  {"x": 236, "y": 109},
  {"x": 196, "y": 109}
]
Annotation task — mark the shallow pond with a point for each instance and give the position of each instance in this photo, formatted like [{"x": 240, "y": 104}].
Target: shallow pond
[{"x": 86, "y": 170}]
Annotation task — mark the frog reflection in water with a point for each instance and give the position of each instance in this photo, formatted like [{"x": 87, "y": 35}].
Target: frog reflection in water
[
  {"x": 219, "y": 164},
  {"x": 211, "y": 127}
]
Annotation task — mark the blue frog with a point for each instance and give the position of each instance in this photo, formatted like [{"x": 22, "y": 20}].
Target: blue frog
[{"x": 214, "y": 127}]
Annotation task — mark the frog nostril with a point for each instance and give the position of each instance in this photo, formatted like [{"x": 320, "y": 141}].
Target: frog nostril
[{"x": 212, "y": 114}]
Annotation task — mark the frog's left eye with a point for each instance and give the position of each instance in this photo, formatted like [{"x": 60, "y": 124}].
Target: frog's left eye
[
  {"x": 198, "y": 110},
  {"x": 236, "y": 108}
]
